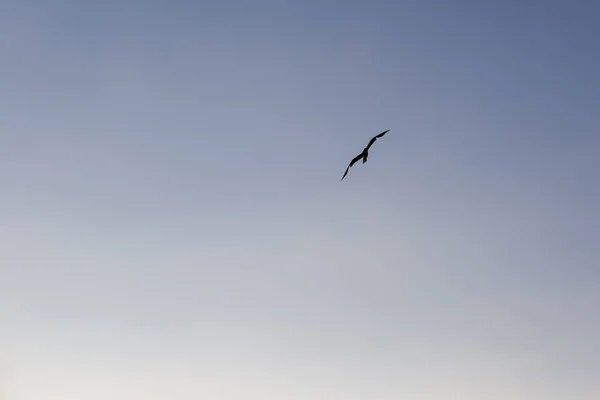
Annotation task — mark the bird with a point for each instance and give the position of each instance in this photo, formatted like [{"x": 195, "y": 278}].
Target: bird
[{"x": 364, "y": 155}]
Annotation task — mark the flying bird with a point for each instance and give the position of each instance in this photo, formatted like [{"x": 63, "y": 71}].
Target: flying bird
[{"x": 364, "y": 155}]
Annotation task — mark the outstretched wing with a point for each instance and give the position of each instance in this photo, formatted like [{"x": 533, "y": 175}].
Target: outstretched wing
[
  {"x": 375, "y": 138},
  {"x": 354, "y": 160},
  {"x": 345, "y": 173}
]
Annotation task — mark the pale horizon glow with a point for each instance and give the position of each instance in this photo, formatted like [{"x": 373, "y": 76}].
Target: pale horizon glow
[{"x": 173, "y": 225}]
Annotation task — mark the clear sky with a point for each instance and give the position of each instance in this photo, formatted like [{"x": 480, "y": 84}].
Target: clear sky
[{"x": 173, "y": 225}]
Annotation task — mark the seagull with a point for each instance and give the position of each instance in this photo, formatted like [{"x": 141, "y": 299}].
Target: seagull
[{"x": 364, "y": 155}]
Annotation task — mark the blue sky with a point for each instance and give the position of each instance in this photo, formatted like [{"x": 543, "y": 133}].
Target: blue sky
[{"x": 173, "y": 224}]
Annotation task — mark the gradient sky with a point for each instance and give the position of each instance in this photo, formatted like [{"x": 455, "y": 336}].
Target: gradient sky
[{"x": 172, "y": 224}]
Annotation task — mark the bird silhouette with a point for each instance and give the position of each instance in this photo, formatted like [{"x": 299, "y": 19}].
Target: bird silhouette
[{"x": 364, "y": 155}]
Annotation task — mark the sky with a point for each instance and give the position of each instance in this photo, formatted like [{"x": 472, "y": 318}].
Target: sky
[{"x": 173, "y": 225}]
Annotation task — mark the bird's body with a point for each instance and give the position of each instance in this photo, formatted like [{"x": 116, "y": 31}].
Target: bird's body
[{"x": 364, "y": 155}]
